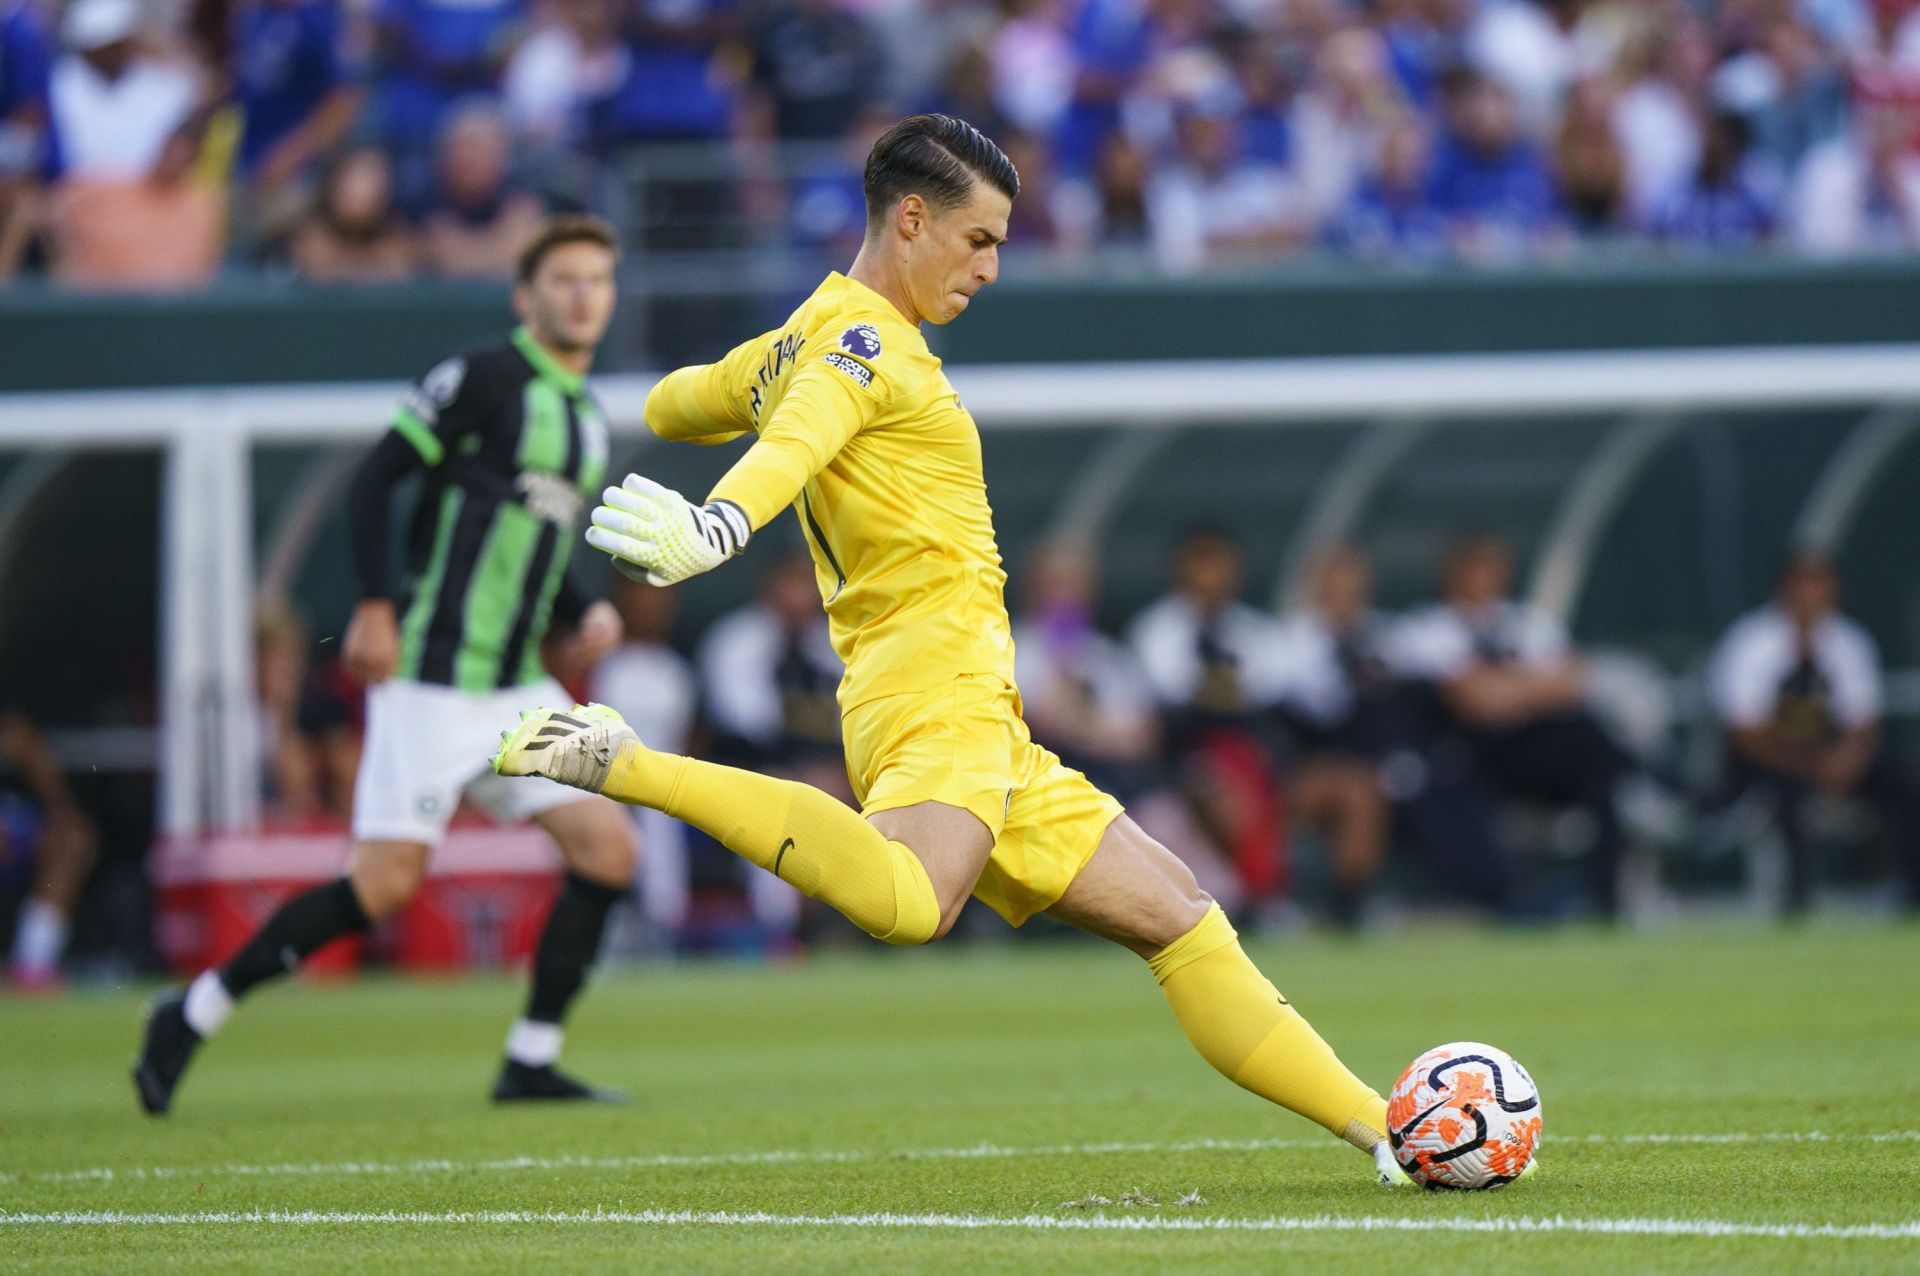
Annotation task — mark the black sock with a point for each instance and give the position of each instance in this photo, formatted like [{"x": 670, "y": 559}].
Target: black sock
[
  {"x": 303, "y": 924},
  {"x": 568, "y": 946}
]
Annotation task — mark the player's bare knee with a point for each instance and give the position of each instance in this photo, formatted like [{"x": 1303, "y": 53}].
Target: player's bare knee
[{"x": 384, "y": 879}]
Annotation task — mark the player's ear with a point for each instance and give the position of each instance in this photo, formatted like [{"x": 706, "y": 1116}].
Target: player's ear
[
  {"x": 522, "y": 301},
  {"x": 913, "y": 216}
]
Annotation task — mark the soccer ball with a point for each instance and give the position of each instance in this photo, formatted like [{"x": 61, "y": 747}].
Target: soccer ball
[{"x": 1464, "y": 1116}]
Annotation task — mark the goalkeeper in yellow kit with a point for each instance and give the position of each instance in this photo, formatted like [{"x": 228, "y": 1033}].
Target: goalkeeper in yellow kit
[{"x": 859, "y": 430}]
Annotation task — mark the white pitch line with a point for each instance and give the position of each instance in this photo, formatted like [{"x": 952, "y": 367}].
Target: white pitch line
[
  {"x": 984, "y": 1222},
  {"x": 980, "y": 1152}
]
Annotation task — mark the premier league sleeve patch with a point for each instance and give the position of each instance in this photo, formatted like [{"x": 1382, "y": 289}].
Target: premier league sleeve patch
[
  {"x": 852, "y": 367},
  {"x": 862, "y": 341}
]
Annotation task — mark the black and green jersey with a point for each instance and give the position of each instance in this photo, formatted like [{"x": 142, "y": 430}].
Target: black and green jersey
[{"x": 514, "y": 447}]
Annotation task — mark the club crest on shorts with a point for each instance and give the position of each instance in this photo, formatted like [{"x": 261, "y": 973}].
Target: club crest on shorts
[{"x": 862, "y": 341}]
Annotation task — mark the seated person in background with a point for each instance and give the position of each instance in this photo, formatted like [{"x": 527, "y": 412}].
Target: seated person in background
[
  {"x": 1511, "y": 684},
  {"x": 1796, "y": 686},
  {"x": 653, "y": 687},
  {"x": 478, "y": 220},
  {"x": 354, "y": 234},
  {"x": 1371, "y": 747},
  {"x": 768, "y": 677},
  {"x": 290, "y": 762},
  {"x": 1085, "y": 697},
  {"x": 1212, "y": 663},
  {"x": 127, "y": 210},
  {"x": 38, "y": 805}
]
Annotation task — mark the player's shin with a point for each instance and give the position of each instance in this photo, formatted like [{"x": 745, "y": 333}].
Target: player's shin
[
  {"x": 801, "y": 835},
  {"x": 1242, "y": 1026},
  {"x": 568, "y": 946},
  {"x": 301, "y": 926}
]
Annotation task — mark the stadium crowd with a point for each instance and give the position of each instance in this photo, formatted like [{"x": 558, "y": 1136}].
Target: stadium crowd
[{"x": 149, "y": 143}]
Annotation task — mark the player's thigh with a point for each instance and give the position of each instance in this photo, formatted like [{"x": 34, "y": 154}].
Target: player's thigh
[
  {"x": 951, "y": 844},
  {"x": 595, "y": 838},
  {"x": 1133, "y": 891},
  {"x": 935, "y": 770},
  {"x": 386, "y": 873},
  {"x": 419, "y": 752}
]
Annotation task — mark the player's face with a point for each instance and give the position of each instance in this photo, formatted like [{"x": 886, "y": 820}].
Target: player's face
[
  {"x": 569, "y": 301},
  {"x": 958, "y": 253}
]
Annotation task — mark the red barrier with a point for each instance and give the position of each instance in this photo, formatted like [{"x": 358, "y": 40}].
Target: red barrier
[{"x": 485, "y": 899}]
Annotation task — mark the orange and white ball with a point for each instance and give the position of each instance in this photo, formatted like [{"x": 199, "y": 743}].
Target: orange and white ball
[{"x": 1464, "y": 1116}]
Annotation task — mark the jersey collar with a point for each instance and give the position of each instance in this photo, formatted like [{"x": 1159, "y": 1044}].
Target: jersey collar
[{"x": 536, "y": 354}]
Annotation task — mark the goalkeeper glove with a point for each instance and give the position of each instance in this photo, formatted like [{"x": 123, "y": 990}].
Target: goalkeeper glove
[{"x": 656, "y": 535}]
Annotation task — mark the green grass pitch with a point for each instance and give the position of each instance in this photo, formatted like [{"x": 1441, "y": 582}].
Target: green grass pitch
[{"x": 1720, "y": 1100}]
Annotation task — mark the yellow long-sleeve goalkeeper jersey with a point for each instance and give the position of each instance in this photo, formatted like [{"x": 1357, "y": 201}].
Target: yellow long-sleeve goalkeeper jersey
[{"x": 860, "y": 431}]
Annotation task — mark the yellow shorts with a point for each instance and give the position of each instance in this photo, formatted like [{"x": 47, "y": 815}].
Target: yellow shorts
[{"x": 966, "y": 745}]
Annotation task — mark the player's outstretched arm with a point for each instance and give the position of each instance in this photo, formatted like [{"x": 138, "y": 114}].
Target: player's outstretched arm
[
  {"x": 694, "y": 405},
  {"x": 659, "y": 536}
]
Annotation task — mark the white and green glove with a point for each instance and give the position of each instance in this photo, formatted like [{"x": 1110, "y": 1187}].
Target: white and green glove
[{"x": 657, "y": 535}]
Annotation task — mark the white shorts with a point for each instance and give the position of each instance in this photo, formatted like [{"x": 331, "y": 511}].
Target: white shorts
[{"x": 428, "y": 744}]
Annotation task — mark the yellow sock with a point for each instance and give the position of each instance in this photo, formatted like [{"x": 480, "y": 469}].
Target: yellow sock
[
  {"x": 799, "y": 834},
  {"x": 1241, "y": 1025}
]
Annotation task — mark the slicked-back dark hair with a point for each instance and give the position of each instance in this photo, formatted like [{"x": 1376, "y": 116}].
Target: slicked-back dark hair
[{"x": 936, "y": 157}]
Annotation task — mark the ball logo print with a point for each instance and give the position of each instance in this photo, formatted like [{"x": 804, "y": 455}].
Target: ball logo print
[
  {"x": 862, "y": 341},
  {"x": 1464, "y": 1116}
]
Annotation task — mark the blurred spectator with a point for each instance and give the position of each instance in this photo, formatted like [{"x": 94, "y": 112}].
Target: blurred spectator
[
  {"x": 1722, "y": 208},
  {"x": 1113, "y": 41},
  {"x": 654, "y": 688},
  {"x": 433, "y": 53},
  {"x": 1035, "y": 222},
  {"x": 1085, "y": 697},
  {"x": 1591, "y": 166},
  {"x": 1214, "y": 664},
  {"x": 25, "y": 63},
  {"x": 1211, "y": 204},
  {"x": 1368, "y": 738},
  {"x": 1860, "y": 192},
  {"x": 668, "y": 83},
  {"x": 1425, "y": 40},
  {"x": 815, "y": 65},
  {"x": 1390, "y": 215},
  {"x": 1536, "y": 49},
  {"x": 573, "y": 56},
  {"x": 1339, "y": 120},
  {"x": 965, "y": 90},
  {"x": 292, "y": 779},
  {"x": 1796, "y": 686},
  {"x": 1791, "y": 92},
  {"x": 1657, "y": 113},
  {"x": 827, "y": 205},
  {"x": 1032, "y": 65},
  {"x": 1266, "y": 99},
  {"x": 1108, "y": 208},
  {"x": 1488, "y": 180},
  {"x": 38, "y": 809},
  {"x": 296, "y": 89},
  {"x": 768, "y": 676},
  {"x": 478, "y": 221},
  {"x": 1509, "y": 679},
  {"x": 127, "y": 209},
  {"x": 355, "y": 235}
]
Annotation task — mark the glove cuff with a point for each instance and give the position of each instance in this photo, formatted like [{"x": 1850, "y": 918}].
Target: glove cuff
[{"x": 732, "y": 524}]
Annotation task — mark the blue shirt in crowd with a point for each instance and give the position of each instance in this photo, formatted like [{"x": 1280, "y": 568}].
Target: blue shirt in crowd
[
  {"x": 286, "y": 62},
  {"x": 440, "y": 52},
  {"x": 1510, "y": 189}
]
